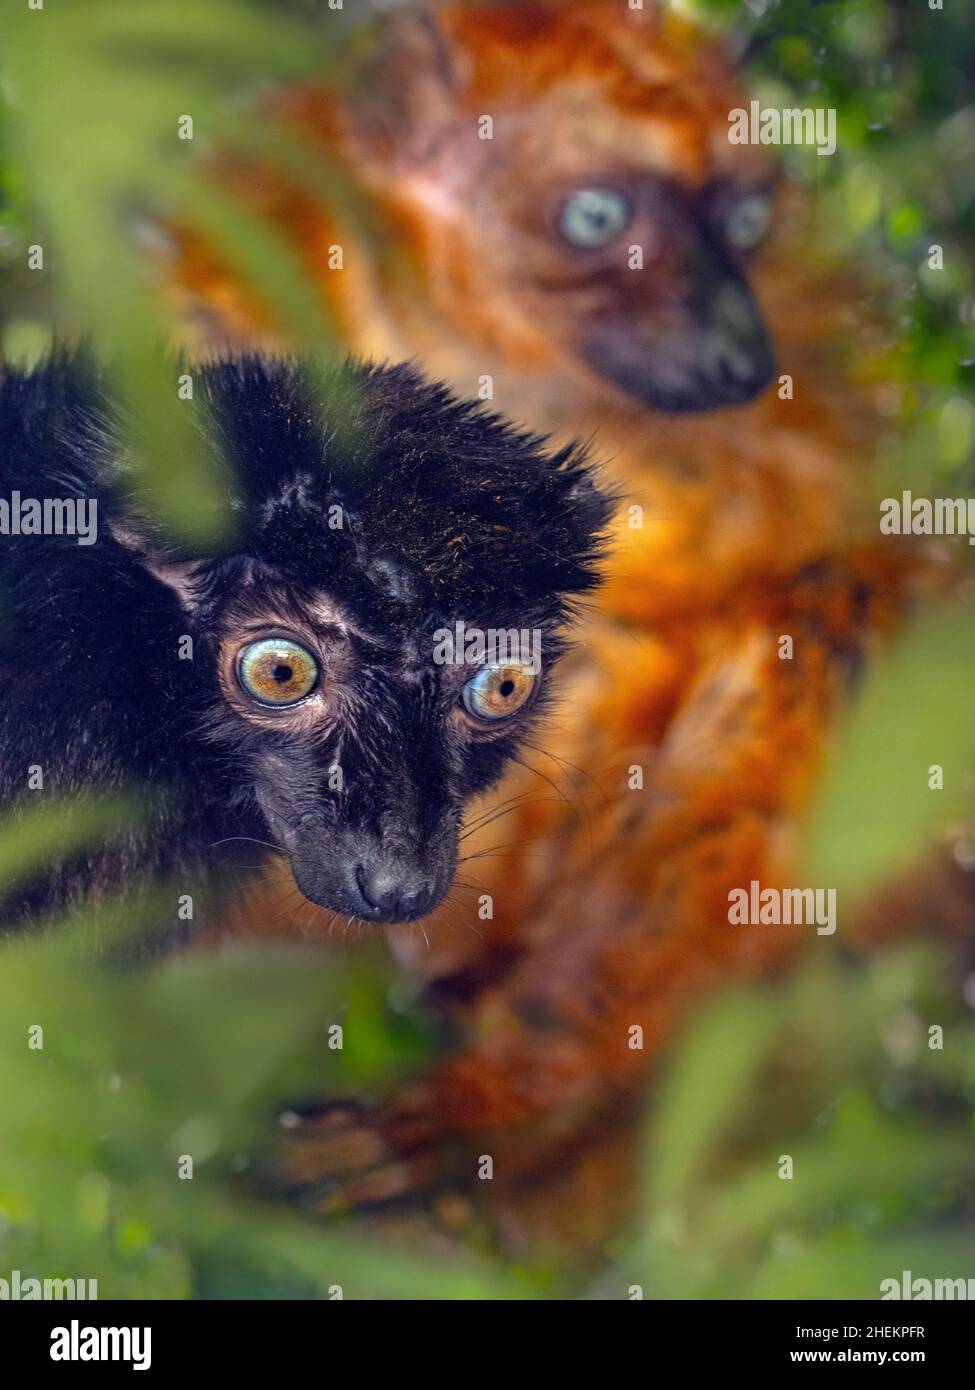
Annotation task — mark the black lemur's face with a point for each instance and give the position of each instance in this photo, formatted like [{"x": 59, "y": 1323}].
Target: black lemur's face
[
  {"x": 361, "y": 748},
  {"x": 383, "y": 635}
]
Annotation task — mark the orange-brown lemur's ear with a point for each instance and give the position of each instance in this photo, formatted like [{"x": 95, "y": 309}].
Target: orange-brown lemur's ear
[
  {"x": 406, "y": 95},
  {"x": 429, "y": 55},
  {"x": 608, "y": 11}
]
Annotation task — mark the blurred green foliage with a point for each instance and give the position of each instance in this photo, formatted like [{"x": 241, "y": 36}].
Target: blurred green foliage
[
  {"x": 834, "y": 1070},
  {"x": 139, "y": 1068},
  {"x": 110, "y": 108},
  {"x": 882, "y": 805},
  {"x": 193, "y": 1054}
]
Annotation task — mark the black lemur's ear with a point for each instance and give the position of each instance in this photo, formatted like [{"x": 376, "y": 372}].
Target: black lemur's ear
[
  {"x": 591, "y": 503},
  {"x": 141, "y": 543},
  {"x": 576, "y": 529}
]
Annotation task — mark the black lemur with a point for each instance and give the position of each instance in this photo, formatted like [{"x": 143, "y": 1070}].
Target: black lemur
[{"x": 292, "y": 687}]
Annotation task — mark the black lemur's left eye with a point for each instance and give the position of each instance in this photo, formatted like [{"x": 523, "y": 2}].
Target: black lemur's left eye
[
  {"x": 277, "y": 671},
  {"x": 498, "y": 691},
  {"x": 593, "y": 217}
]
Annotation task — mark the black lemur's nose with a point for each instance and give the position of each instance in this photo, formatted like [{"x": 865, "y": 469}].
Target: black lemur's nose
[{"x": 391, "y": 896}]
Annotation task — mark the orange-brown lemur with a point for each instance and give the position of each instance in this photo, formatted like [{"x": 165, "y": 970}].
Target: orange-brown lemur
[{"x": 569, "y": 230}]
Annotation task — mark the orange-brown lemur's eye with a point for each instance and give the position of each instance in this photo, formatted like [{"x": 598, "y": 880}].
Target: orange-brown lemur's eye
[
  {"x": 277, "y": 671},
  {"x": 747, "y": 221},
  {"x": 593, "y": 217},
  {"x": 498, "y": 691}
]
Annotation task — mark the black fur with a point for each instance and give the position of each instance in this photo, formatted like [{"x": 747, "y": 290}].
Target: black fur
[{"x": 447, "y": 514}]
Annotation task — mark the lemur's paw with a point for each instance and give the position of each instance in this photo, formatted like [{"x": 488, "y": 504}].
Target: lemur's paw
[{"x": 350, "y": 1155}]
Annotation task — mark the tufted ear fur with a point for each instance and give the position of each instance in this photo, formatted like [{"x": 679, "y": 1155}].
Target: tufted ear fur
[
  {"x": 410, "y": 85},
  {"x": 425, "y": 61},
  {"x": 141, "y": 545},
  {"x": 432, "y": 492}
]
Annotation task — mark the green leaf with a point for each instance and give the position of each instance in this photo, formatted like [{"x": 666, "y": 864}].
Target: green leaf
[
  {"x": 876, "y": 810},
  {"x": 704, "y": 1090}
]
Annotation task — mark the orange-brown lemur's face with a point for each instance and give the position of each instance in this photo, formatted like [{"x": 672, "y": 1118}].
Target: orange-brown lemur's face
[{"x": 568, "y": 187}]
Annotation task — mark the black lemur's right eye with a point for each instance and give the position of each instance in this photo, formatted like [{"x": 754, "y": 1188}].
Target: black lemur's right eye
[
  {"x": 498, "y": 690},
  {"x": 277, "y": 671}
]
